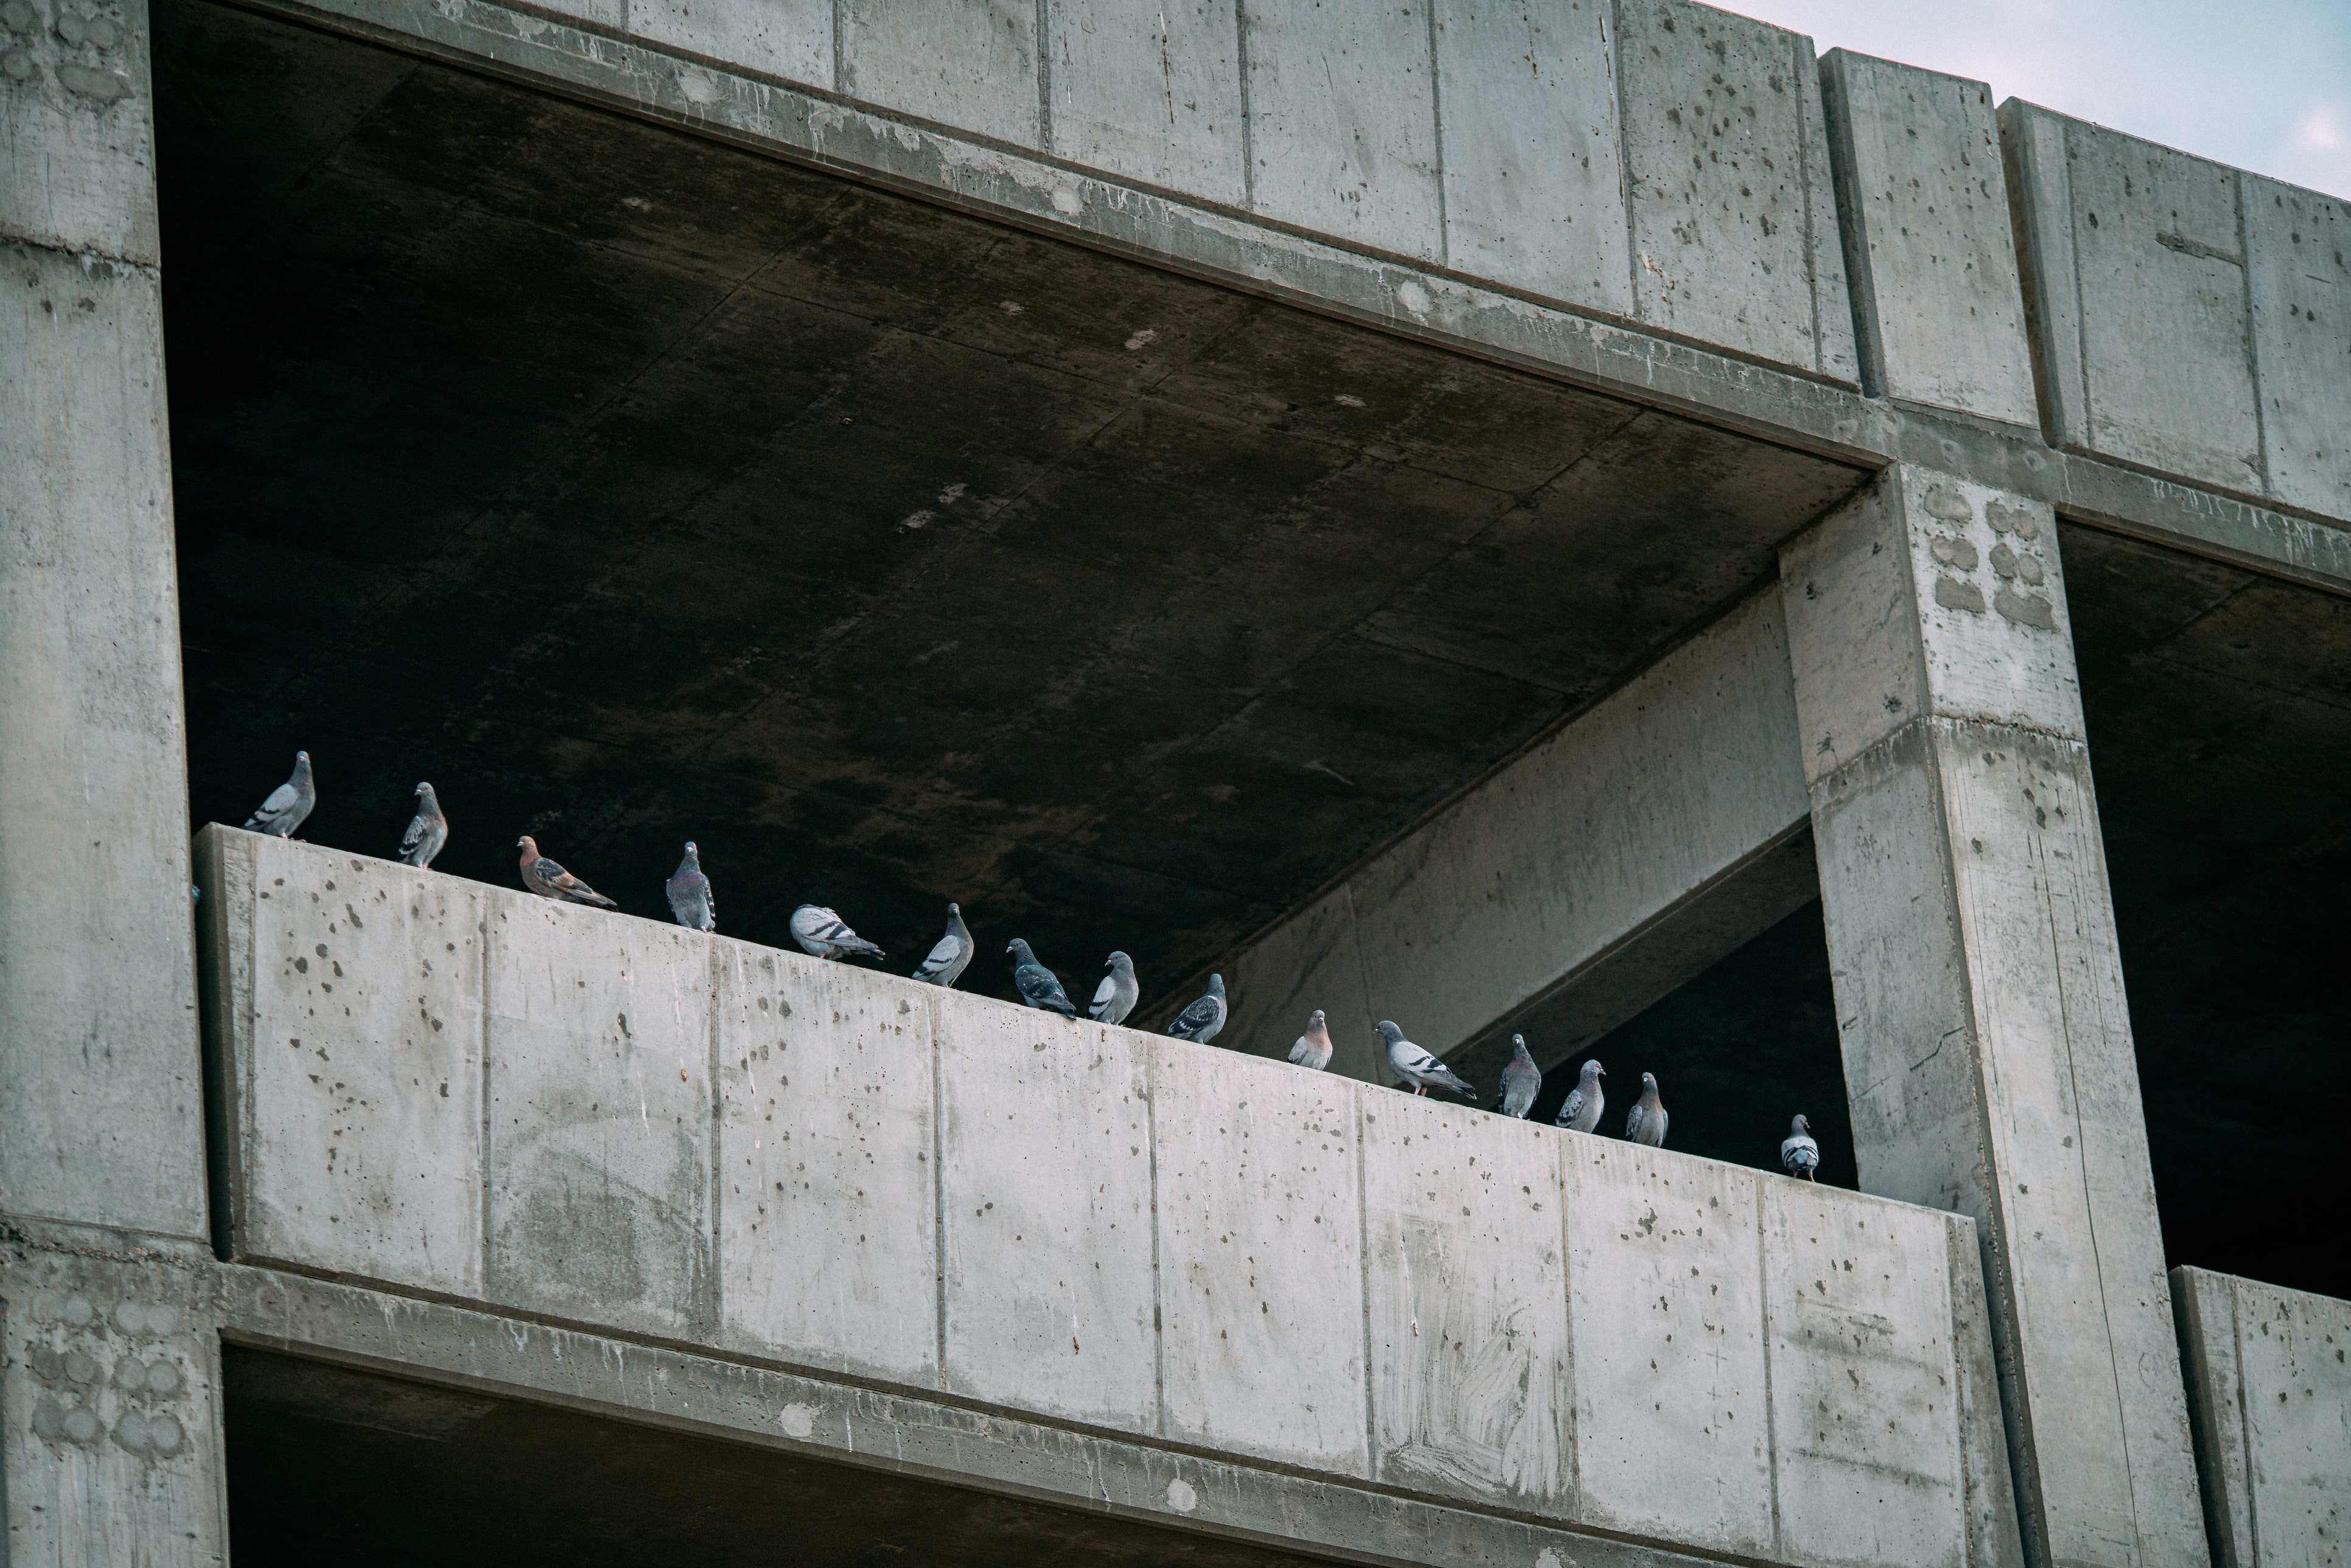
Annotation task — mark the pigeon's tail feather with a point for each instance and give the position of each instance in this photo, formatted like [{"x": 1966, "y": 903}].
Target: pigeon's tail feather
[{"x": 589, "y": 895}]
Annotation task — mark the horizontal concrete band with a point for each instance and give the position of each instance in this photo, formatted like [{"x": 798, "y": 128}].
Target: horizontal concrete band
[
  {"x": 1656, "y": 358},
  {"x": 451, "y": 1088}
]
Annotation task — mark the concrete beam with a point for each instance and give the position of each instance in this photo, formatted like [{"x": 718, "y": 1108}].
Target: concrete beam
[
  {"x": 1580, "y": 867},
  {"x": 2271, "y": 1395},
  {"x": 1987, "y": 1044}
]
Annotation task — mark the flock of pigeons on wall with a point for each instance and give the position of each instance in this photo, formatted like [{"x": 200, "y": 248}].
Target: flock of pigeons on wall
[{"x": 821, "y": 932}]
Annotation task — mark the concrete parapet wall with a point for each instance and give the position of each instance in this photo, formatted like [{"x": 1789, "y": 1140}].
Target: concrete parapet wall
[
  {"x": 2268, "y": 1391},
  {"x": 441, "y": 1087}
]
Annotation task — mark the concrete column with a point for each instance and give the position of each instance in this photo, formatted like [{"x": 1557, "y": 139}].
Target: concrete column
[{"x": 1980, "y": 994}]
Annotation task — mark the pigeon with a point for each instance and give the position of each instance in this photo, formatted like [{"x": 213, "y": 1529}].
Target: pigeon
[
  {"x": 945, "y": 965},
  {"x": 1646, "y": 1122},
  {"x": 690, "y": 898},
  {"x": 1115, "y": 997},
  {"x": 1581, "y": 1111},
  {"x": 545, "y": 878},
  {"x": 1520, "y": 1080},
  {"x": 820, "y": 931},
  {"x": 288, "y": 804},
  {"x": 1416, "y": 1066},
  {"x": 1201, "y": 1021},
  {"x": 1039, "y": 988},
  {"x": 1798, "y": 1152},
  {"x": 427, "y": 830},
  {"x": 1312, "y": 1051}
]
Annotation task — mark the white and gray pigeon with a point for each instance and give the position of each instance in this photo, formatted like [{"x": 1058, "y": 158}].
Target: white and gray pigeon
[
  {"x": 545, "y": 878},
  {"x": 1416, "y": 1067},
  {"x": 1115, "y": 997},
  {"x": 427, "y": 830},
  {"x": 949, "y": 954},
  {"x": 288, "y": 804},
  {"x": 1799, "y": 1151},
  {"x": 1521, "y": 1081},
  {"x": 1204, "y": 1018},
  {"x": 1312, "y": 1051},
  {"x": 690, "y": 898},
  {"x": 1580, "y": 1113},
  {"x": 820, "y": 931},
  {"x": 1039, "y": 987},
  {"x": 1646, "y": 1122}
]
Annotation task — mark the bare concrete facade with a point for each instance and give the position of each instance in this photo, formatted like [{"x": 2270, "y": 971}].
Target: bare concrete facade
[{"x": 1865, "y": 339}]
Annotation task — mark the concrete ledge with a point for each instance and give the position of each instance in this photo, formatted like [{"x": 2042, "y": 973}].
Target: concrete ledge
[{"x": 450, "y": 1090}]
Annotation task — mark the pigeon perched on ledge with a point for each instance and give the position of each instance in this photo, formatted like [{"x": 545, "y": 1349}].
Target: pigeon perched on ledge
[
  {"x": 1646, "y": 1122},
  {"x": 1116, "y": 996},
  {"x": 1580, "y": 1113},
  {"x": 1521, "y": 1081},
  {"x": 544, "y": 877},
  {"x": 427, "y": 830},
  {"x": 949, "y": 954},
  {"x": 288, "y": 804},
  {"x": 690, "y": 898},
  {"x": 1799, "y": 1151},
  {"x": 1312, "y": 1051},
  {"x": 826, "y": 935},
  {"x": 1039, "y": 987},
  {"x": 1201, "y": 1021},
  {"x": 1416, "y": 1067}
]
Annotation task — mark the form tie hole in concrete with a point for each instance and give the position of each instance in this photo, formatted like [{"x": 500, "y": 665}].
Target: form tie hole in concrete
[{"x": 1181, "y": 1497}]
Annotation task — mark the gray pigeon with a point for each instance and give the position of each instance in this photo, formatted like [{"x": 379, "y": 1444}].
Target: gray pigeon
[
  {"x": 1204, "y": 1018},
  {"x": 1115, "y": 997},
  {"x": 1039, "y": 986},
  {"x": 427, "y": 830},
  {"x": 1521, "y": 1080},
  {"x": 1581, "y": 1111},
  {"x": 545, "y": 878},
  {"x": 820, "y": 931},
  {"x": 1416, "y": 1067},
  {"x": 690, "y": 898},
  {"x": 1646, "y": 1122},
  {"x": 945, "y": 965},
  {"x": 288, "y": 804},
  {"x": 1798, "y": 1152},
  {"x": 1312, "y": 1051}
]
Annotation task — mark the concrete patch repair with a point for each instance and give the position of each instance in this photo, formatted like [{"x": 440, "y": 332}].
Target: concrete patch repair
[{"x": 1606, "y": 534}]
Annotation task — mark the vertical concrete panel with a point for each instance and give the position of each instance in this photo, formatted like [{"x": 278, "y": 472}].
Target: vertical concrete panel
[
  {"x": 1343, "y": 120},
  {"x": 970, "y": 64},
  {"x": 365, "y": 1045},
  {"x": 1732, "y": 213},
  {"x": 827, "y": 1212},
  {"x": 1260, "y": 1258},
  {"x": 1993, "y": 1540},
  {"x": 2204, "y": 1305},
  {"x": 1046, "y": 1213},
  {"x": 1151, "y": 94},
  {"x": 786, "y": 38},
  {"x": 599, "y": 1111},
  {"x": 1466, "y": 1285},
  {"x": 1864, "y": 1407},
  {"x": 2298, "y": 260},
  {"x": 2041, "y": 199},
  {"x": 78, "y": 131},
  {"x": 1922, "y": 201},
  {"x": 1533, "y": 176},
  {"x": 1665, "y": 1301},
  {"x": 109, "y": 1415}
]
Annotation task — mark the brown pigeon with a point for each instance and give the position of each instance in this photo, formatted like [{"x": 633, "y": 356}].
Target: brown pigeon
[{"x": 545, "y": 878}]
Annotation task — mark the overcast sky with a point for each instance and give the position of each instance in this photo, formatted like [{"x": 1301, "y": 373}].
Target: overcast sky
[{"x": 2262, "y": 84}]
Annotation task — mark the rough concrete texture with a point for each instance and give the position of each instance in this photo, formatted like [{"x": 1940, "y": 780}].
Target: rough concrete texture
[
  {"x": 110, "y": 1407},
  {"x": 1986, "y": 1040},
  {"x": 2271, "y": 1396},
  {"x": 1153, "y": 95},
  {"x": 1174, "y": 1241},
  {"x": 2184, "y": 312},
  {"x": 102, "y": 1121},
  {"x": 1922, "y": 198},
  {"x": 1542, "y": 871}
]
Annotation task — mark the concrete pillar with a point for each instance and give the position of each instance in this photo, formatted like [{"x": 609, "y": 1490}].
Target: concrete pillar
[{"x": 1980, "y": 994}]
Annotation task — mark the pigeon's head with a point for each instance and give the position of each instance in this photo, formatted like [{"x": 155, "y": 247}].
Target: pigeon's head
[
  {"x": 1216, "y": 985},
  {"x": 526, "y": 844},
  {"x": 1593, "y": 1070},
  {"x": 1315, "y": 1019},
  {"x": 1648, "y": 1083},
  {"x": 301, "y": 763},
  {"x": 1388, "y": 1031},
  {"x": 1800, "y": 1125},
  {"x": 1517, "y": 1045},
  {"x": 692, "y": 848},
  {"x": 954, "y": 909},
  {"x": 1118, "y": 961},
  {"x": 1017, "y": 948},
  {"x": 423, "y": 789}
]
